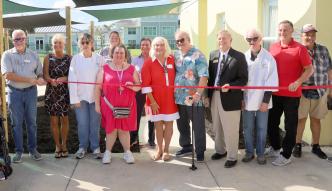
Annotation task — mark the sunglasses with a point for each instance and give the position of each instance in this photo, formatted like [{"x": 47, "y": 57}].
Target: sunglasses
[
  {"x": 179, "y": 41},
  {"x": 19, "y": 39},
  {"x": 254, "y": 39},
  {"x": 85, "y": 42}
]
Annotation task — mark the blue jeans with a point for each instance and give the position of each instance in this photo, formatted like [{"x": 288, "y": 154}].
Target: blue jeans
[
  {"x": 22, "y": 105},
  {"x": 88, "y": 125},
  {"x": 258, "y": 120}
]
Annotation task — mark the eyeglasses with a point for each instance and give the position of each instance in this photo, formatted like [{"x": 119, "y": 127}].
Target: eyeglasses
[
  {"x": 179, "y": 41},
  {"x": 85, "y": 42},
  {"x": 19, "y": 39},
  {"x": 254, "y": 39}
]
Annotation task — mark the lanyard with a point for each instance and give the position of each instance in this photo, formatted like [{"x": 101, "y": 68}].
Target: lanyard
[
  {"x": 164, "y": 66},
  {"x": 120, "y": 89}
]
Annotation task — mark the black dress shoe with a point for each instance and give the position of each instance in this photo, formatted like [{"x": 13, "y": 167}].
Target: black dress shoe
[
  {"x": 217, "y": 156},
  {"x": 230, "y": 163}
]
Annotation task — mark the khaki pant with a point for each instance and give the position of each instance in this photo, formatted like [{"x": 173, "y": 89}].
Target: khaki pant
[
  {"x": 316, "y": 108},
  {"x": 226, "y": 125}
]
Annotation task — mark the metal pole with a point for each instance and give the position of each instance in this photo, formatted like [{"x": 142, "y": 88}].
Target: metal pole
[{"x": 193, "y": 167}]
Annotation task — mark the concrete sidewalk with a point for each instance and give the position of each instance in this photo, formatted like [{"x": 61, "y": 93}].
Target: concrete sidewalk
[{"x": 305, "y": 174}]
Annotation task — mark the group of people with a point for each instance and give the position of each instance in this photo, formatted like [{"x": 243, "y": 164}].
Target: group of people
[{"x": 110, "y": 89}]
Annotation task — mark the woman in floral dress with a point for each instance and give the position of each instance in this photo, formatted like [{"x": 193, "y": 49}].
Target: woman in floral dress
[{"x": 56, "y": 68}]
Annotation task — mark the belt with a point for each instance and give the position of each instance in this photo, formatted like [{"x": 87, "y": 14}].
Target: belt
[{"x": 21, "y": 89}]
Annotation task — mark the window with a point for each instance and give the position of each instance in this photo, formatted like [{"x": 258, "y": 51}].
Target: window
[
  {"x": 131, "y": 43},
  {"x": 149, "y": 31},
  {"x": 39, "y": 44},
  {"x": 167, "y": 31},
  {"x": 172, "y": 43},
  {"x": 132, "y": 31},
  {"x": 222, "y": 21},
  {"x": 270, "y": 22}
]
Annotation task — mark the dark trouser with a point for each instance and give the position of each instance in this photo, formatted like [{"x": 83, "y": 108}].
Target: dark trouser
[
  {"x": 289, "y": 106},
  {"x": 151, "y": 132},
  {"x": 198, "y": 125},
  {"x": 140, "y": 101}
]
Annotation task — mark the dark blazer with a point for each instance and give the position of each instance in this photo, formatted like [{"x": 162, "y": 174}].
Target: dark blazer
[{"x": 234, "y": 73}]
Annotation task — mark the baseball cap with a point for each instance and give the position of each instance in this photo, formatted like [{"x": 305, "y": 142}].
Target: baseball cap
[{"x": 308, "y": 27}]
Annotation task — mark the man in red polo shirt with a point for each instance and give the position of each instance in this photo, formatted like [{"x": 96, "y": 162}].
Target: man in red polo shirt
[{"x": 294, "y": 67}]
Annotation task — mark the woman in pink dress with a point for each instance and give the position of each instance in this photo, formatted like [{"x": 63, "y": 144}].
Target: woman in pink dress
[
  {"x": 114, "y": 89},
  {"x": 158, "y": 73}
]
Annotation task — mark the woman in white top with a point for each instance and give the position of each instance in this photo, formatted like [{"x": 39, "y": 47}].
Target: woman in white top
[
  {"x": 262, "y": 70},
  {"x": 83, "y": 71}
]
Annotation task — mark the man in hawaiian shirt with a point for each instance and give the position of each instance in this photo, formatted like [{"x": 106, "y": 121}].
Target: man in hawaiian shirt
[{"x": 191, "y": 70}]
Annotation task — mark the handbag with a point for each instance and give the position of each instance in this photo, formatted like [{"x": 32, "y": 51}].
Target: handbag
[{"x": 118, "y": 112}]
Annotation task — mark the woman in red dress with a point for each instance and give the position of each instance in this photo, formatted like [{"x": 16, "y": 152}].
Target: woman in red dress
[
  {"x": 158, "y": 74},
  {"x": 118, "y": 72}
]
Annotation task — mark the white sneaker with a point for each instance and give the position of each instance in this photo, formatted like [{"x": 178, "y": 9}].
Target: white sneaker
[
  {"x": 96, "y": 153},
  {"x": 80, "y": 153},
  {"x": 128, "y": 157},
  {"x": 271, "y": 153},
  {"x": 281, "y": 161},
  {"x": 107, "y": 157}
]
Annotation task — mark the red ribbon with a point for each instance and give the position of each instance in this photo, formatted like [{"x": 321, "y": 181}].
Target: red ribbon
[{"x": 207, "y": 87}]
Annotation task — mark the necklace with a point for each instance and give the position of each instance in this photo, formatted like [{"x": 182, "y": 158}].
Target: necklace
[{"x": 120, "y": 76}]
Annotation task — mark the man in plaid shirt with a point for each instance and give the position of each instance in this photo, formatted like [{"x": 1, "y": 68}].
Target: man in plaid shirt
[{"x": 314, "y": 101}]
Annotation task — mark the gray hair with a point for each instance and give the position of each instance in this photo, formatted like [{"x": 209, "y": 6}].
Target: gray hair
[
  {"x": 224, "y": 32},
  {"x": 18, "y": 31},
  {"x": 186, "y": 34},
  {"x": 254, "y": 31}
]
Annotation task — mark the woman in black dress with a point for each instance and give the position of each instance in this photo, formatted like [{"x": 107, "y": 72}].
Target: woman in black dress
[{"x": 56, "y": 69}]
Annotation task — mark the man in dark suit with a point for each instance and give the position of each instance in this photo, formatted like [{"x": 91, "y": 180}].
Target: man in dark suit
[{"x": 227, "y": 67}]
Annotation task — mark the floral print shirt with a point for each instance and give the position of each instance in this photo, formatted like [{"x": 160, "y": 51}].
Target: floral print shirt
[{"x": 189, "y": 69}]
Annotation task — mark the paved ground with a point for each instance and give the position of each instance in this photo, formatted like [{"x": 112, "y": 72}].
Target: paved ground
[{"x": 306, "y": 174}]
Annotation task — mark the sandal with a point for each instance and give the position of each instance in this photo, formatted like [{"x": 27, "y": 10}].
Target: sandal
[
  {"x": 64, "y": 154},
  {"x": 57, "y": 154},
  {"x": 157, "y": 156},
  {"x": 166, "y": 157}
]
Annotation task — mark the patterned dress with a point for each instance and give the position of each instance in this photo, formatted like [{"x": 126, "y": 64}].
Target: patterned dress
[
  {"x": 124, "y": 98},
  {"x": 57, "y": 98}
]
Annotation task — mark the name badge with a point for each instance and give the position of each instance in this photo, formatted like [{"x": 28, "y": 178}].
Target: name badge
[
  {"x": 214, "y": 61},
  {"x": 170, "y": 66},
  {"x": 26, "y": 61}
]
